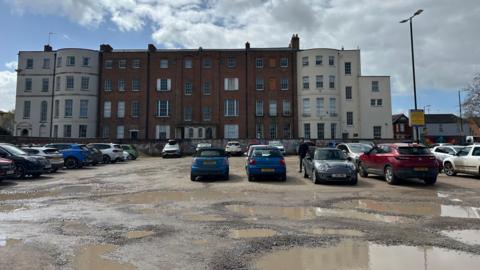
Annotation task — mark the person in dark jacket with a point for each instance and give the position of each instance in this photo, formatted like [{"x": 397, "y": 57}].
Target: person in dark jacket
[{"x": 302, "y": 152}]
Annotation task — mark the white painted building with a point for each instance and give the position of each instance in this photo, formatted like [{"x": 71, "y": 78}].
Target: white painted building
[
  {"x": 57, "y": 93},
  {"x": 335, "y": 101}
]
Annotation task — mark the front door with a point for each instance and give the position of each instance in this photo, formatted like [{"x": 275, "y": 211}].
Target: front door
[
  {"x": 134, "y": 134},
  {"x": 460, "y": 161}
]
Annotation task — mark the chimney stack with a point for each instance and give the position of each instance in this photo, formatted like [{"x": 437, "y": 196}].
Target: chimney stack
[
  {"x": 47, "y": 48},
  {"x": 247, "y": 45},
  {"x": 105, "y": 48},
  {"x": 295, "y": 42},
  {"x": 152, "y": 48}
]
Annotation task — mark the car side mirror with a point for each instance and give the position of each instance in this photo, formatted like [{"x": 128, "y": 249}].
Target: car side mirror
[{"x": 3, "y": 155}]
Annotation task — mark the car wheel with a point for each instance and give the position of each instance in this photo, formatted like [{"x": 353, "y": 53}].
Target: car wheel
[
  {"x": 354, "y": 181},
  {"x": 283, "y": 178},
  {"x": 36, "y": 175},
  {"x": 106, "y": 159},
  {"x": 430, "y": 181},
  {"x": 130, "y": 157},
  {"x": 193, "y": 177},
  {"x": 71, "y": 163},
  {"x": 250, "y": 178},
  {"x": 305, "y": 174},
  {"x": 362, "y": 171},
  {"x": 315, "y": 180},
  {"x": 390, "y": 176},
  {"x": 19, "y": 171},
  {"x": 226, "y": 176},
  {"x": 448, "y": 169},
  {"x": 54, "y": 170}
]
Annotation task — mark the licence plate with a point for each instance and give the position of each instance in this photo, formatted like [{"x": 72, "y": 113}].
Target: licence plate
[
  {"x": 267, "y": 170},
  {"x": 209, "y": 163},
  {"x": 10, "y": 172},
  {"x": 339, "y": 175},
  {"x": 420, "y": 169}
]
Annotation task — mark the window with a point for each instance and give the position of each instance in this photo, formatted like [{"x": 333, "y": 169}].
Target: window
[
  {"x": 70, "y": 82},
  {"x": 272, "y": 108},
  {"x": 135, "y": 85},
  {"x": 305, "y": 61},
  {"x": 306, "y": 83},
  {"x": 318, "y": 60},
  {"x": 231, "y": 84},
  {"x": 163, "y": 131},
  {"x": 259, "y": 62},
  {"x": 67, "y": 131},
  {"x": 26, "y": 109},
  {"x": 320, "y": 131},
  {"x": 273, "y": 130},
  {"x": 377, "y": 132},
  {"x": 200, "y": 132},
  {"x": 85, "y": 83},
  {"x": 59, "y": 61},
  {"x": 372, "y": 102},
  {"x": 46, "y": 63},
  {"x": 107, "y": 109},
  {"x": 348, "y": 68},
  {"x": 348, "y": 93},
  {"x": 191, "y": 133},
  {"x": 319, "y": 81},
  {"x": 57, "y": 109},
  {"x": 231, "y": 132},
  {"x": 135, "y": 109},
  {"x": 86, "y": 61},
  {"x": 43, "y": 111},
  {"x": 284, "y": 62},
  {"x": 164, "y": 84},
  {"x": 107, "y": 85},
  {"x": 121, "y": 109},
  {"x": 349, "y": 118},
  {"x": 331, "y": 82},
  {"x": 120, "y": 132},
  {"x": 121, "y": 85},
  {"x": 402, "y": 127},
  {"x": 207, "y": 88},
  {"x": 306, "y": 130},
  {"x": 206, "y": 114},
  {"x": 187, "y": 114},
  {"x": 163, "y": 108},
  {"x": 82, "y": 131},
  {"x": 259, "y": 130},
  {"x": 306, "y": 107},
  {"x": 231, "y": 107},
  {"x": 70, "y": 61},
  {"x": 287, "y": 131},
  {"x": 259, "y": 108},
  {"x": 55, "y": 131},
  {"x": 333, "y": 130},
  {"x": 259, "y": 84},
  {"x": 375, "y": 87},
  {"x": 108, "y": 64},
  {"x": 287, "y": 108},
  {"x": 331, "y": 60},
  {"x": 284, "y": 84},
  {"x": 136, "y": 63},
  {"x": 379, "y": 102},
  {"x": 122, "y": 63},
  {"x": 188, "y": 88},
  {"x": 83, "y": 108},
  {"x": 68, "y": 108},
  {"x": 106, "y": 132},
  {"x": 29, "y": 64},
  {"x": 207, "y": 63},
  {"x": 333, "y": 107},
  {"x": 28, "y": 84},
  {"x": 164, "y": 63},
  {"x": 440, "y": 127},
  {"x": 188, "y": 63},
  {"x": 320, "y": 106},
  {"x": 231, "y": 62},
  {"x": 45, "y": 84},
  {"x": 57, "y": 83}
]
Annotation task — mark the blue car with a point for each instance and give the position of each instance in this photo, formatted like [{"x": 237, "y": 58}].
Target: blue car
[
  {"x": 74, "y": 155},
  {"x": 265, "y": 161},
  {"x": 210, "y": 162}
]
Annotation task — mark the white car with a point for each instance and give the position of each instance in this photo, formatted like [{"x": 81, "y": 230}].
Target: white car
[
  {"x": 354, "y": 150},
  {"x": 277, "y": 144},
  {"x": 233, "y": 148},
  {"x": 171, "y": 149},
  {"x": 465, "y": 161},
  {"x": 111, "y": 152},
  {"x": 445, "y": 151},
  {"x": 203, "y": 145}
]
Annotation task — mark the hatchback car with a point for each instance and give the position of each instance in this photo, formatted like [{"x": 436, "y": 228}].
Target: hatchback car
[
  {"x": 23, "y": 163},
  {"x": 203, "y": 145},
  {"x": 6, "y": 168},
  {"x": 329, "y": 165},
  {"x": 52, "y": 154},
  {"x": 466, "y": 161},
  {"x": 74, "y": 155},
  {"x": 131, "y": 150},
  {"x": 354, "y": 150},
  {"x": 277, "y": 144},
  {"x": 111, "y": 152},
  {"x": 210, "y": 162},
  {"x": 265, "y": 161},
  {"x": 171, "y": 149},
  {"x": 233, "y": 148},
  {"x": 95, "y": 154},
  {"x": 443, "y": 152}
]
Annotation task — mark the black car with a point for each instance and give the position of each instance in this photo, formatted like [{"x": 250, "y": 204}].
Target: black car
[
  {"x": 95, "y": 154},
  {"x": 23, "y": 163}
]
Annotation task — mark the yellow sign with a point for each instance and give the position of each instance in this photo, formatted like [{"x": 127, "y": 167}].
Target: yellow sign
[{"x": 417, "y": 118}]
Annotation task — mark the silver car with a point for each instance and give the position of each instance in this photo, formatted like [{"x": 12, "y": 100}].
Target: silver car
[
  {"x": 329, "y": 165},
  {"x": 445, "y": 151},
  {"x": 354, "y": 150},
  {"x": 51, "y": 154},
  {"x": 466, "y": 161}
]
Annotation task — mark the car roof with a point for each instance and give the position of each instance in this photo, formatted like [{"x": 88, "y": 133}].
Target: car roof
[
  {"x": 396, "y": 145},
  {"x": 259, "y": 145},
  {"x": 212, "y": 148}
]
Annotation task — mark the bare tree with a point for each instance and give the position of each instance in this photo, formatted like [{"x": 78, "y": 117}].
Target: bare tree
[{"x": 471, "y": 105}]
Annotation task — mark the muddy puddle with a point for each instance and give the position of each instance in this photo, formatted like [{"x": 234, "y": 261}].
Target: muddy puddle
[
  {"x": 74, "y": 227},
  {"x": 342, "y": 232},
  {"x": 413, "y": 208},
  {"x": 15, "y": 254},
  {"x": 138, "y": 234},
  {"x": 25, "y": 195},
  {"x": 92, "y": 257},
  {"x": 155, "y": 197},
  {"x": 251, "y": 233},
  {"x": 469, "y": 237},
  {"x": 350, "y": 254}
]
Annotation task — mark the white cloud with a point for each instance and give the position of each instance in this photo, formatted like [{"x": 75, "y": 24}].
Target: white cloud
[
  {"x": 8, "y": 85},
  {"x": 446, "y": 40}
]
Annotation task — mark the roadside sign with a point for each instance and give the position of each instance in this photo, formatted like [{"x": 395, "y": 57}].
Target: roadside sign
[{"x": 417, "y": 118}]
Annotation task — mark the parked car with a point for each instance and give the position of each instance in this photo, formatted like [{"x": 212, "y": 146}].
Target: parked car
[
  {"x": 203, "y": 145},
  {"x": 131, "y": 150},
  {"x": 443, "y": 152},
  {"x": 23, "y": 163},
  {"x": 96, "y": 155},
  {"x": 74, "y": 155},
  {"x": 52, "y": 154},
  {"x": 171, "y": 149},
  {"x": 6, "y": 168},
  {"x": 399, "y": 160},
  {"x": 265, "y": 161},
  {"x": 251, "y": 147},
  {"x": 210, "y": 162},
  {"x": 466, "y": 161},
  {"x": 354, "y": 150},
  {"x": 277, "y": 144},
  {"x": 111, "y": 152},
  {"x": 233, "y": 148},
  {"x": 329, "y": 165}
]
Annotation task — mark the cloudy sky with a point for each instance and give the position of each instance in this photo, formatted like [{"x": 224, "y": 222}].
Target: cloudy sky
[{"x": 447, "y": 51}]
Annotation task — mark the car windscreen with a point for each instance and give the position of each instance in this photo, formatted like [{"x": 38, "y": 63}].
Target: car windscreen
[
  {"x": 84, "y": 148},
  {"x": 413, "y": 150},
  {"x": 211, "y": 153},
  {"x": 265, "y": 152},
  {"x": 172, "y": 142},
  {"x": 30, "y": 151},
  {"x": 233, "y": 144},
  {"x": 329, "y": 154},
  {"x": 457, "y": 148},
  {"x": 51, "y": 151},
  {"x": 13, "y": 150},
  {"x": 360, "y": 148},
  {"x": 117, "y": 146}
]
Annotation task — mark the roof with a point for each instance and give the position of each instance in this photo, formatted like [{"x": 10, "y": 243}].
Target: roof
[
  {"x": 397, "y": 117},
  {"x": 441, "y": 118}
]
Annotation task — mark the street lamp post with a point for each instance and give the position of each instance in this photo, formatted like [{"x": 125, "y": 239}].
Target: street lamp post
[
  {"x": 426, "y": 107},
  {"x": 418, "y": 12}
]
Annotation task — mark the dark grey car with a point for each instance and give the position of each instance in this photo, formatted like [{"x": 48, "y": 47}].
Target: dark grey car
[{"x": 329, "y": 165}]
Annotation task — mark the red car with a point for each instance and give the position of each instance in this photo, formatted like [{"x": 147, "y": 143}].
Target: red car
[
  {"x": 399, "y": 160},
  {"x": 6, "y": 168}
]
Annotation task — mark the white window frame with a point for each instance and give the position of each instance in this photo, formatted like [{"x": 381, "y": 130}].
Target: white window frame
[
  {"x": 107, "y": 109},
  {"x": 159, "y": 84},
  {"x": 231, "y": 131},
  {"x": 231, "y": 84},
  {"x": 121, "y": 109}
]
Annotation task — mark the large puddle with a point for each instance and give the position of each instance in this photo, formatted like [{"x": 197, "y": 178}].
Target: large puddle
[
  {"x": 252, "y": 233},
  {"x": 15, "y": 254},
  {"x": 155, "y": 197},
  {"x": 469, "y": 237},
  {"x": 413, "y": 208},
  {"x": 138, "y": 234},
  {"x": 91, "y": 257},
  {"x": 356, "y": 255},
  {"x": 342, "y": 232}
]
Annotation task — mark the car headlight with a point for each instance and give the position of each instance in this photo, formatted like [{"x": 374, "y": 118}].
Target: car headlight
[
  {"x": 352, "y": 166},
  {"x": 323, "y": 167}
]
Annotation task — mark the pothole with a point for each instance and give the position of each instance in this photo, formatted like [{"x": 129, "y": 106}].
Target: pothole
[
  {"x": 154, "y": 197},
  {"x": 252, "y": 233},
  {"x": 74, "y": 227},
  {"x": 350, "y": 254},
  {"x": 91, "y": 257},
  {"x": 15, "y": 254},
  {"x": 138, "y": 234},
  {"x": 343, "y": 232},
  {"x": 469, "y": 237}
]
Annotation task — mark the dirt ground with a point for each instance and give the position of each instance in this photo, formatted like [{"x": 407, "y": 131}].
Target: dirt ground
[{"x": 147, "y": 214}]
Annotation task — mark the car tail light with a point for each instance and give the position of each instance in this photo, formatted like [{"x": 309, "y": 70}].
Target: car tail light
[
  {"x": 282, "y": 162},
  {"x": 252, "y": 161},
  {"x": 402, "y": 158}
]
